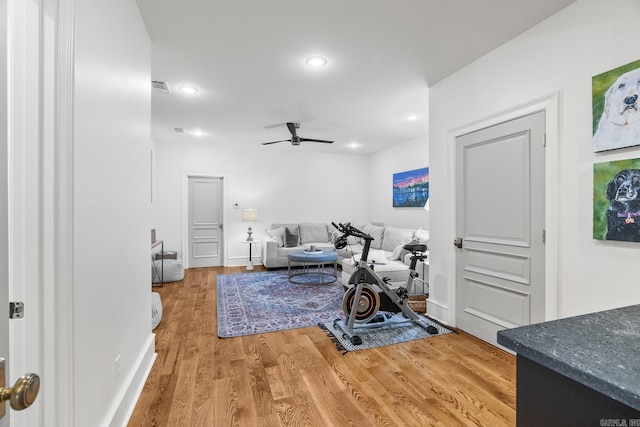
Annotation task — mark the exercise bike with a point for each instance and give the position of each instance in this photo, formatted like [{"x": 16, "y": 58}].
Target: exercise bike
[{"x": 368, "y": 293}]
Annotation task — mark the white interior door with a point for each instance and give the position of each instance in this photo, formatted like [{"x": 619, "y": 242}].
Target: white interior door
[
  {"x": 500, "y": 225},
  {"x": 205, "y": 222}
]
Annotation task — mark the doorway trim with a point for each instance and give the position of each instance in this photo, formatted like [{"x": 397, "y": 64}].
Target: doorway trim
[
  {"x": 185, "y": 213},
  {"x": 48, "y": 138},
  {"x": 551, "y": 105}
]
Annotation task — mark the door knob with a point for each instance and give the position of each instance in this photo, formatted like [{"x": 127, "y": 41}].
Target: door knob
[
  {"x": 458, "y": 242},
  {"x": 23, "y": 393}
]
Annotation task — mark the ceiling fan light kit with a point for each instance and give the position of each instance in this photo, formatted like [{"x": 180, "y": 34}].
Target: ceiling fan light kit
[
  {"x": 316, "y": 61},
  {"x": 295, "y": 139}
]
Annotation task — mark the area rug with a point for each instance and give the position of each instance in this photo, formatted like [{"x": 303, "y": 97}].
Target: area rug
[
  {"x": 254, "y": 303},
  {"x": 397, "y": 330}
]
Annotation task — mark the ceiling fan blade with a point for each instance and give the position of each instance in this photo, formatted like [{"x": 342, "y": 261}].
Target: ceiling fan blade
[
  {"x": 275, "y": 142},
  {"x": 292, "y": 128},
  {"x": 316, "y": 140}
]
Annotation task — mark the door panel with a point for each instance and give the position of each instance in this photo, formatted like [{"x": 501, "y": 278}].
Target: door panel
[
  {"x": 205, "y": 222},
  {"x": 499, "y": 305},
  {"x": 500, "y": 217},
  {"x": 506, "y": 266}
]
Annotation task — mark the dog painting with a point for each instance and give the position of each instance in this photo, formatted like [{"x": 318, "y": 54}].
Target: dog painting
[
  {"x": 617, "y": 200},
  {"x": 616, "y": 108}
]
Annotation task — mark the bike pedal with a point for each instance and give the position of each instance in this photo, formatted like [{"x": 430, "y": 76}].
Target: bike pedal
[{"x": 377, "y": 319}]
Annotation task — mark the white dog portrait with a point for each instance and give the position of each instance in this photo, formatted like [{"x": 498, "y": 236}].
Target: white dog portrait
[{"x": 619, "y": 124}]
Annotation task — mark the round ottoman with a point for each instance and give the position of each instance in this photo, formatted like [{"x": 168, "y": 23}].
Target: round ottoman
[{"x": 308, "y": 275}]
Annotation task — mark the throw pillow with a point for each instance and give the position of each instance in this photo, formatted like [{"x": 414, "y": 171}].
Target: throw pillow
[
  {"x": 397, "y": 252},
  {"x": 421, "y": 235},
  {"x": 277, "y": 234},
  {"x": 377, "y": 233},
  {"x": 394, "y": 236},
  {"x": 290, "y": 238}
]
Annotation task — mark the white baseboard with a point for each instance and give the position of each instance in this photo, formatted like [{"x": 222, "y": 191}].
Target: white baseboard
[
  {"x": 127, "y": 397},
  {"x": 240, "y": 261},
  {"x": 439, "y": 311}
]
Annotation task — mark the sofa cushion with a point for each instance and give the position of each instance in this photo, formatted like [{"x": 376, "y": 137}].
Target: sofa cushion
[
  {"x": 377, "y": 257},
  {"x": 291, "y": 238},
  {"x": 394, "y": 237},
  {"x": 377, "y": 233},
  {"x": 276, "y": 234},
  {"x": 396, "y": 271},
  {"x": 313, "y": 233},
  {"x": 350, "y": 251}
]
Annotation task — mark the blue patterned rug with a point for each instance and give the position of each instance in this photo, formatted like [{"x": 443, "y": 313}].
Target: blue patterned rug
[{"x": 254, "y": 303}]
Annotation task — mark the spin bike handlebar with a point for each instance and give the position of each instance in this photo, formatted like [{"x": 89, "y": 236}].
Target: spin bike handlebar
[{"x": 349, "y": 230}]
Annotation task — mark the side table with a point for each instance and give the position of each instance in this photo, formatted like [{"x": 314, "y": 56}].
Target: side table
[
  {"x": 250, "y": 263},
  {"x": 160, "y": 274}
]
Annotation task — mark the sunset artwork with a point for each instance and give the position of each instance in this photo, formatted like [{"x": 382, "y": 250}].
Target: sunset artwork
[{"x": 411, "y": 188}]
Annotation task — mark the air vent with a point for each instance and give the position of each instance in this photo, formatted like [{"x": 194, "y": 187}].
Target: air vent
[
  {"x": 178, "y": 130},
  {"x": 160, "y": 86}
]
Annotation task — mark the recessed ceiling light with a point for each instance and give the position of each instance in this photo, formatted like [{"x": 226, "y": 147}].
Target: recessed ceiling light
[
  {"x": 411, "y": 117},
  {"x": 316, "y": 61},
  {"x": 197, "y": 132},
  {"x": 353, "y": 145},
  {"x": 189, "y": 90}
]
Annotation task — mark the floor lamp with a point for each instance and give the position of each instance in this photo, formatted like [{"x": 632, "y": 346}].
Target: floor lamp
[{"x": 250, "y": 215}]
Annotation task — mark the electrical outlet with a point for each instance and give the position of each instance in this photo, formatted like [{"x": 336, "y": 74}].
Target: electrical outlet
[{"x": 117, "y": 368}]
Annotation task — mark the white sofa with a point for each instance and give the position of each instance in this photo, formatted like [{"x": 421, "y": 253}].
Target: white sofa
[
  {"x": 386, "y": 252},
  {"x": 282, "y": 239}
]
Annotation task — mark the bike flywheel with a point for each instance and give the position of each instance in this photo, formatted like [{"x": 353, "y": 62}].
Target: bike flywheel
[{"x": 367, "y": 306}]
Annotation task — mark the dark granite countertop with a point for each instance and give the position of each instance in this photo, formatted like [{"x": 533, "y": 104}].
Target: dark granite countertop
[{"x": 600, "y": 350}]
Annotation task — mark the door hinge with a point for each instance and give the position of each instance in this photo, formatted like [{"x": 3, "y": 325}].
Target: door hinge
[
  {"x": 544, "y": 236},
  {"x": 16, "y": 310},
  {"x": 544, "y": 140}
]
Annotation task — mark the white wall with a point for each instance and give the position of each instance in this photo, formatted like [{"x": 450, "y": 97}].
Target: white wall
[
  {"x": 285, "y": 185},
  {"x": 560, "y": 54},
  {"x": 111, "y": 208},
  {"x": 410, "y": 155}
]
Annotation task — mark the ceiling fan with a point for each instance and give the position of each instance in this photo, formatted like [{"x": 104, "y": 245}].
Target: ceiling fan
[{"x": 295, "y": 139}]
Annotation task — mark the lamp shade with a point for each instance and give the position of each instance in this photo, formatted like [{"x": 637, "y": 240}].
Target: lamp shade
[{"x": 250, "y": 215}]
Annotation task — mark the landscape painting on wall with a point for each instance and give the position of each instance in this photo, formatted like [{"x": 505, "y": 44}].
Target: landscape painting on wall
[
  {"x": 616, "y": 107},
  {"x": 411, "y": 188},
  {"x": 616, "y": 200}
]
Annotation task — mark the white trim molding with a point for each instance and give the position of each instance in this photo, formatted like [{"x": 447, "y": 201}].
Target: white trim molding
[
  {"x": 59, "y": 334},
  {"x": 127, "y": 397},
  {"x": 551, "y": 105},
  {"x": 185, "y": 213}
]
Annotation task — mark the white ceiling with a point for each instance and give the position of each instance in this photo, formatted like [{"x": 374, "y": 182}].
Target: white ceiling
[{"x": 247, "y": 58}]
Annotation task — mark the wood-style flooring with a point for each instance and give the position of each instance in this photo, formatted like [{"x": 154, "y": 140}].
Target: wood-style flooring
[{"x": 299, "y": 378}]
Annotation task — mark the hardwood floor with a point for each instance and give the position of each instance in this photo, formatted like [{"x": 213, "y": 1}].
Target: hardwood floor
[{"x": 299, "y": 378}]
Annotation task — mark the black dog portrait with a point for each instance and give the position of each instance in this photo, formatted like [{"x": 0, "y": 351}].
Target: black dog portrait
[{"x": 623, "y": 214}]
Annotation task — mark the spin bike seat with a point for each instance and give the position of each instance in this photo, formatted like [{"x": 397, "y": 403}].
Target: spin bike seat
[{"x": 415, "y": 247}]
